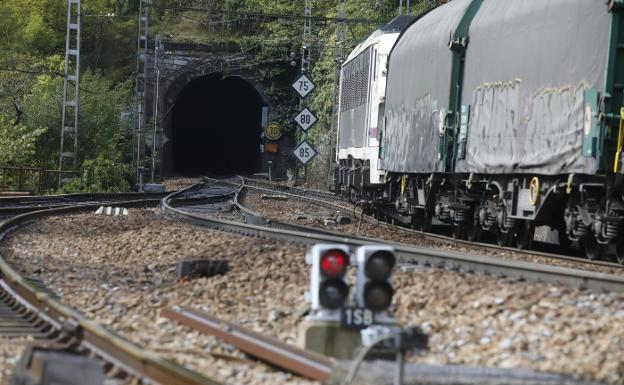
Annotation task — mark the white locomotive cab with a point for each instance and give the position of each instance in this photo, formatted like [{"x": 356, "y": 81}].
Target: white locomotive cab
[{"x": 361, "y": 102}]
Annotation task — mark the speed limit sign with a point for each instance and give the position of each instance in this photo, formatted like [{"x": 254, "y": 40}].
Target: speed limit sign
[
  {"x": 303, "y": 85},
  {"x": 304, "y": 152},
  {"x": 273, "y": 131},
  {"x": 305, "y": 119}
]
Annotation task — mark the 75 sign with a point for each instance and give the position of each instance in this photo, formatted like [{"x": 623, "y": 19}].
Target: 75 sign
[{"x": 303, "y": 86}]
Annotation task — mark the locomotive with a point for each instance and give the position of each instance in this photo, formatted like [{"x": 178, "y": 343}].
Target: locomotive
[{"x": 491, "y": 116}]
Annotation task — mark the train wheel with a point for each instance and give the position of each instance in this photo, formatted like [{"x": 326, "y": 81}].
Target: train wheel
[
  {"x": 473, "y": 230},
  {"x": 619, "y": 252},
  {"x": 525, "y": 231},
  {"x": 593, "y": 249}
]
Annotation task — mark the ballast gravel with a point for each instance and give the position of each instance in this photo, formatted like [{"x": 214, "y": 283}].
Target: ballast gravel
[
  {"x": 298, "y": 211},
  {"x": 179, "y": 183},
  {"x": 10, "y": 354},
  {"x": 121, "y": 272}
]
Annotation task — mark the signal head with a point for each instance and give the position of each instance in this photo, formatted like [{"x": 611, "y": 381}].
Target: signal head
[{"x": 375, "y": 268}]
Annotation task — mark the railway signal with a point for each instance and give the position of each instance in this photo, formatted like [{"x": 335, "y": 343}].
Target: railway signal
[
  {"x": 375, "y": 265},
  {"x": 328, "y": 288}
]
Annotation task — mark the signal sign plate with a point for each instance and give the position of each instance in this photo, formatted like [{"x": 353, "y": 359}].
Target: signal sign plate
[
  {"x": 304, "y": 152},
  {"x": 303, "y": 85},
  {"x": 356, "y": 318},
  {"x": 305, "y": 119}
]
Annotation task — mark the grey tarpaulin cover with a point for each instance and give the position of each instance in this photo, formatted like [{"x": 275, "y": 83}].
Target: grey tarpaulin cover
[
  {"x": 418, "y": 86},
  {"x": 527, "y": 66}
]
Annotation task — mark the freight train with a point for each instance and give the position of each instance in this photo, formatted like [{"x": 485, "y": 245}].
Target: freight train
[{"x": 491, "y": 116}]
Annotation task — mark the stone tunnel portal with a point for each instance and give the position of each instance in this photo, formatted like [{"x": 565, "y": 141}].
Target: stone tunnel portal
[{"x": 216, "y": 127}]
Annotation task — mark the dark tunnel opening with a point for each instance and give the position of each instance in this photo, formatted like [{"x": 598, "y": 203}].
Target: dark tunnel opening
[{"x": 216, "y": 127}]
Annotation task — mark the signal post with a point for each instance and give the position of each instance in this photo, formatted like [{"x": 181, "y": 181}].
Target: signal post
[{"x": 338, "y": 314}]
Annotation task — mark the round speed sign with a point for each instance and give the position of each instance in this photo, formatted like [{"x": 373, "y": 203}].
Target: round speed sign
[{"x": 273, "y": 131}]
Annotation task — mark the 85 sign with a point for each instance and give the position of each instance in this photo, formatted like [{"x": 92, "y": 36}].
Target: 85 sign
[
  {"x": 304, "y": 152},
  {"x": 303, "y": 86}
]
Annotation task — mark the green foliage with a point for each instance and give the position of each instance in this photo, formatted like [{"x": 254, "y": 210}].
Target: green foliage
[
  {"x": 104, "y": 123},
  {"x": 17, "y": 142},
  {"x": 100, "y": 175},
  {"x": 32, "y": 40}
]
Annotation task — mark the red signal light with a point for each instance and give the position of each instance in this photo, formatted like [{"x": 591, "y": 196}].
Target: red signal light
[{"x": 334, "y": 263}]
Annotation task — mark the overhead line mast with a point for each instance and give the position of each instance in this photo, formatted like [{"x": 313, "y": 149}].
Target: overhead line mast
[
  {"x": 341, "y": 38},
  {"x": 140, "y": 87},
  {"x": 68, "y": 154}
]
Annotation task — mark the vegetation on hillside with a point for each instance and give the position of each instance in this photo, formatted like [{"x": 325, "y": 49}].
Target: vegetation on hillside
[{"x": 32, "y": 45}]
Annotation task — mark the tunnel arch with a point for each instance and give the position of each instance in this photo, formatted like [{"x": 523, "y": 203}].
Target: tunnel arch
[{"x": 214, "y": 127}]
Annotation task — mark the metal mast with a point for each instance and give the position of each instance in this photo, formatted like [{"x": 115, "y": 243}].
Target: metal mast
[
  {"x": 307, "y": 38},
  {"x": 68, "y": 157},
  {"x": 341, "y": 37},
  {"x": 155, "y": 140},
  {"x": 141, "y": 83}
]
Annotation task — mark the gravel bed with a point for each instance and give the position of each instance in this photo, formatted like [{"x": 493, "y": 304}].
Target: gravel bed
[
  {"x": 290, "y": 210},
  {"x": 179, "y": 183},
  {"x": 10, "y": 353},
  {"x": 121, "y": 271}
]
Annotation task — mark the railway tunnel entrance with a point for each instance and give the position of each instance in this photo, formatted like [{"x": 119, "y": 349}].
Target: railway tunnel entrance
[{"x": 216, "y": 127}]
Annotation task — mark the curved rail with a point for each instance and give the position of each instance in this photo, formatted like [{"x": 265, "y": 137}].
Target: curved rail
[
  {"x": 92, "y": 336},
  {"x": 436, "y": 237},
  {"x": 412, "y": 254},
  {"x": 10, "y": 206}
]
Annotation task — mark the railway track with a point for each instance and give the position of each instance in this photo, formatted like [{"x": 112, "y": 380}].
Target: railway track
[
  {"x": 28, "y": 310},
  {"x": 190, "y": 202},
  {"x": 11, "y": 206},
  {"x": 411, "y": 256},
  {"x": 320, "y": 199}
]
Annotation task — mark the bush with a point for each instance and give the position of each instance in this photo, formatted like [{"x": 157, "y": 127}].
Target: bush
[{"x": 100, "y": 175}]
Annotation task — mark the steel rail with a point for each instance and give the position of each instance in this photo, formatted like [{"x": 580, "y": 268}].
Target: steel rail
[
  {"x": 529, "y": 271},
  {"x": 19, "y": 205},
  {"x": 443, "y": 238},
  {"x": 94, "y": 337},
  {"x": 297, "y": 190},
  {"x": 299, "y": 361}
]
